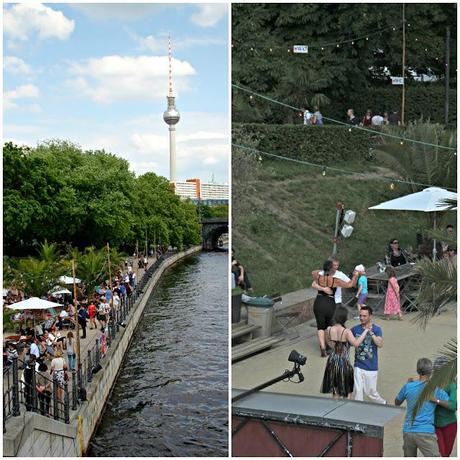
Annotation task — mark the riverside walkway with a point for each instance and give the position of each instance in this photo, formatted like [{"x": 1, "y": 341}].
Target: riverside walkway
[{"x": 27, "y": 433}]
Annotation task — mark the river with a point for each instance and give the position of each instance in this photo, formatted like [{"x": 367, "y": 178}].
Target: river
[{"x": 171, "y": 396}]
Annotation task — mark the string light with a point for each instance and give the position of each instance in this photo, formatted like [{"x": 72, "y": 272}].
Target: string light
[
  {"x": 402, "y": 142},
  {"x": 338, "y": 46},
  {"x": 373, "y": 131},
  {"x": 392, "y": 186},
  {"x": 349, "y": 129},
  {"x": 324, "y": 172},
  {"x": 271, "y": 50},
  {"x": 251, "y": 97}
]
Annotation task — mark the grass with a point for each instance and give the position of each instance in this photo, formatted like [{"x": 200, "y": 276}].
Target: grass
[{"x": 284, "y": 218}]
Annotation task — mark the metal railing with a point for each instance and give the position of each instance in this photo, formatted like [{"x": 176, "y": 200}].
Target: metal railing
[{"x": 19, "y": 395}]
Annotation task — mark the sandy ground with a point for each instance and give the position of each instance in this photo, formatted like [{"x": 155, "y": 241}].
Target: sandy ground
[{"x": 404, "y": 343}]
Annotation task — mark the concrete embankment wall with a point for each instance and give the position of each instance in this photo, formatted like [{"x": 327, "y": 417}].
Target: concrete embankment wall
[{"x": 44, "y": 437}]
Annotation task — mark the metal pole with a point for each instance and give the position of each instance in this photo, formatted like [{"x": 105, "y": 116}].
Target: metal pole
[
  {"x": 74, "y": 390},
  {"x": 66, "y": 403},
  {"x": 447, "y": 75},
  {"x": 33, "y": 390},
  {"x": 403, "y": 102},
  {"x": 77, "y": 324},
  {"x": 16, "y": 410},
  {"x": 339, "y": 207},
  {"x": 434, "y": 240},
  {"x": 55, "y": 399}
]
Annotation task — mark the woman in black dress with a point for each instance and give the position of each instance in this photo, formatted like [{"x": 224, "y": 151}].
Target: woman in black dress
[
  {"x": 338, "y": 375},
  {"x": 324, "y": 306}
]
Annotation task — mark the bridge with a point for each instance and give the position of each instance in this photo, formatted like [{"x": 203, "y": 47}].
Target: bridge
[{"x": 212, "y": 229}]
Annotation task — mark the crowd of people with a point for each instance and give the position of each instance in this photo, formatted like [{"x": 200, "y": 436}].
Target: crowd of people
[
  {"x": 378, "y": 118},
  {"x": 432, "y": 430},
  {"x": 48, "y": 342}
]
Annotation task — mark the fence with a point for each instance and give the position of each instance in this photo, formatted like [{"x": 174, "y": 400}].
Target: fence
[{"x": 57, "y": 402}]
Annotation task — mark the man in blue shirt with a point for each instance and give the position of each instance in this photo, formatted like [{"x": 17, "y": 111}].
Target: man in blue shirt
[
  {"x": 366, "y": 358},
  {"x": 420, "y": 433}
]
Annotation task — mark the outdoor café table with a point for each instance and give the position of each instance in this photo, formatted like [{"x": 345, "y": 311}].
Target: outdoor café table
[{"x": 407, "y": 278}]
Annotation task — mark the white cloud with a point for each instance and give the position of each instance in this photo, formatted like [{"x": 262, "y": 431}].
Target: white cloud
[
  {"x": 23, "y": 20},
  {"x": 117, "y": 78},
  {"x": 21, "y": 92},
  {"x": 15, "y": 65},
  {"x": 209, "y": 14},
  {"x": 160, "y": 43},
  {"x": 118, "y": 11}
]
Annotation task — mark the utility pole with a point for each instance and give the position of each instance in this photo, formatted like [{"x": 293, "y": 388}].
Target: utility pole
[
  {"x": 77, "y": 325},
  {"x": 447, "y": 75},
  {"x": 403, "y": 102}
]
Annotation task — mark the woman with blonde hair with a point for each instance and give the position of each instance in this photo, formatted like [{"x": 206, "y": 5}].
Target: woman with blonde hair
[{"x": 58, "y": 368}]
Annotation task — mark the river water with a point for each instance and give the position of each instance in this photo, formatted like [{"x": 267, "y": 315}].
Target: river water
[{"x": 170, "y": 398}]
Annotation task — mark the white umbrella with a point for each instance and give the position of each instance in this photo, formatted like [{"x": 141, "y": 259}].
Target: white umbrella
[
  {"x": 68, "y": 280},
  {"x": 428, "y": 200},
  {"x": 59, "y": 290},
  {"x": 34, "y": 303}
]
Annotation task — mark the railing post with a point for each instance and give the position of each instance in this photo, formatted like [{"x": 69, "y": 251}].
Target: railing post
[
  {"x": 74, "y": 390},
  {"x": 66, "y": 403},
  {"x": 89, "y": 370},
  {"x": 98, "y": 352},
  {"x": 34, "y": 390},
  {"x": 55, "y": 399},
  {"x": 16, "y": 411},
  {"x": 80, "y": 378}
]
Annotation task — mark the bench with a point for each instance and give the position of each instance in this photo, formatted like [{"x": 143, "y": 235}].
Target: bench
[{"x": 253, "y": 346}]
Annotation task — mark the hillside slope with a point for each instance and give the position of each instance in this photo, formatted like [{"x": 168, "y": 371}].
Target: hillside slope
[{"x": 283, "y": 218}]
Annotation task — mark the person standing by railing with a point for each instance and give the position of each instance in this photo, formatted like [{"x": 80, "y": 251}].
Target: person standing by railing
[{"x": 43, "y": 383}]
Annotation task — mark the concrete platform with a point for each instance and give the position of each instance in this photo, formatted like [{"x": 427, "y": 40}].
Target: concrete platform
[{"x": 404, "y": 343}]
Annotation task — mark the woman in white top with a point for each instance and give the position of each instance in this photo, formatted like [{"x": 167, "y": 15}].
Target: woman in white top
[{"x": 58, "y": 368}]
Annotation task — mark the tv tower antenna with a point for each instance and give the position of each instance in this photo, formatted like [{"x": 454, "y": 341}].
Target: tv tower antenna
[{"x": 171, "y": 116}]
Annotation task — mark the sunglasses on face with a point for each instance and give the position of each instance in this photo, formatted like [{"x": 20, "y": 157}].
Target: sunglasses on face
[{"x": 395, "y": 242}]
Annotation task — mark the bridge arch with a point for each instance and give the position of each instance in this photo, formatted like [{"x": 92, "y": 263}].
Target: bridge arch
[{"x": 212, "y": 229}]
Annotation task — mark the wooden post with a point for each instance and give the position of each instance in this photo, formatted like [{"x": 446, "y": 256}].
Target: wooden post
[
  {"x": 447, "y": 75},
  {"x": 403, "y": 102},
  {"x": 77, "y": 325}
]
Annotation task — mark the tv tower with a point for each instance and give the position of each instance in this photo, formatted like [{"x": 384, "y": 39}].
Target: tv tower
[{"x": 171, "y": 116}]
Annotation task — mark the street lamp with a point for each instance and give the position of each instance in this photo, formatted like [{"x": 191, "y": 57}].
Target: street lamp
[{"x": 343, "y": 221}]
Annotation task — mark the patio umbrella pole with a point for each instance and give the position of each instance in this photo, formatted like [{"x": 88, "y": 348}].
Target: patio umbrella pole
[
  {"x": 77, "y": 325},
  {"x": 434, "y": 240}
]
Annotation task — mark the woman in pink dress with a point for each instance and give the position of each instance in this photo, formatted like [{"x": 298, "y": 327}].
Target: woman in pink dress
[{"x": 392, "y": 301}]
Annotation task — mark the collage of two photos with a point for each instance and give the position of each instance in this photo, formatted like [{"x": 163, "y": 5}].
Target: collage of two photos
[{"x": 229, "y": 229}]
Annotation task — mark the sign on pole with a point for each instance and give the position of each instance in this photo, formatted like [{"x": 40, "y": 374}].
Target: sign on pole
[
  {"x": 397, "y": 80},
  {"x": 300, "y": 49}
]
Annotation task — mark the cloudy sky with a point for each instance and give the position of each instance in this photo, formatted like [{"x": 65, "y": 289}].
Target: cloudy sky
[{"x": 97, "y": 75}]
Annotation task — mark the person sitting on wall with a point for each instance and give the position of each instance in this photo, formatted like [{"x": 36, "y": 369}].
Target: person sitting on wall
[
  {"x": 396, "y": 256},
  {"x": 241, "y": 276}
]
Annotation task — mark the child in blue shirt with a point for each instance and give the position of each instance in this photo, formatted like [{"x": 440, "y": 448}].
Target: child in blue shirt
[{"x": 362, "y": 287}]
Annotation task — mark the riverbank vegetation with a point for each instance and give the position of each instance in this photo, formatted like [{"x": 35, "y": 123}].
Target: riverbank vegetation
[{"x": 61, "y": 193}]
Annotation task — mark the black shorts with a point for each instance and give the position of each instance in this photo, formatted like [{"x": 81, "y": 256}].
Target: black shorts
[{"x": 324, "y": 310}]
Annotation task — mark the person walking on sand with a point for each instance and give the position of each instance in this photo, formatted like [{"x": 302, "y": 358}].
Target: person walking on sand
[
  {"x": 338, "y": 374},
  {"x": 366, "y": 358},
  {"x": 324, "y": 306},
  {"x": 392, "y": 299}
]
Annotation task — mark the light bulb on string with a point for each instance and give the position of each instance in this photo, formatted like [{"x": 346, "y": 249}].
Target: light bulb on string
[
  {"x": 260, "y": 158},
  {"x": 416, "y": 39},
  {"x": 394, "y": 28},
  {"x": 322, "y": 49},
  {"x": 271, "y": 50},
  {"x": 252, "y": 49},
  {"x": 324, "y": 172},
  {"x": 455, "y": 154},
  {"x": 349, "y": 129},
  {"x": 392, "y": 186},
  {"x": 402, "y": 142},
  {"x": 338, "y": 46},
  {"x": 367, "y": 38},
  {"x": 289, "y": 50},
  {"x": 352, "y": 43},
  {"x": 251, "y": 97}
]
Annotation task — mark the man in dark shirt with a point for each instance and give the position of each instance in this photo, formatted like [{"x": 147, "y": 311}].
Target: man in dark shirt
[
  {"x": 394, "y": 118},
  {"x": 352, "y": 120}
]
